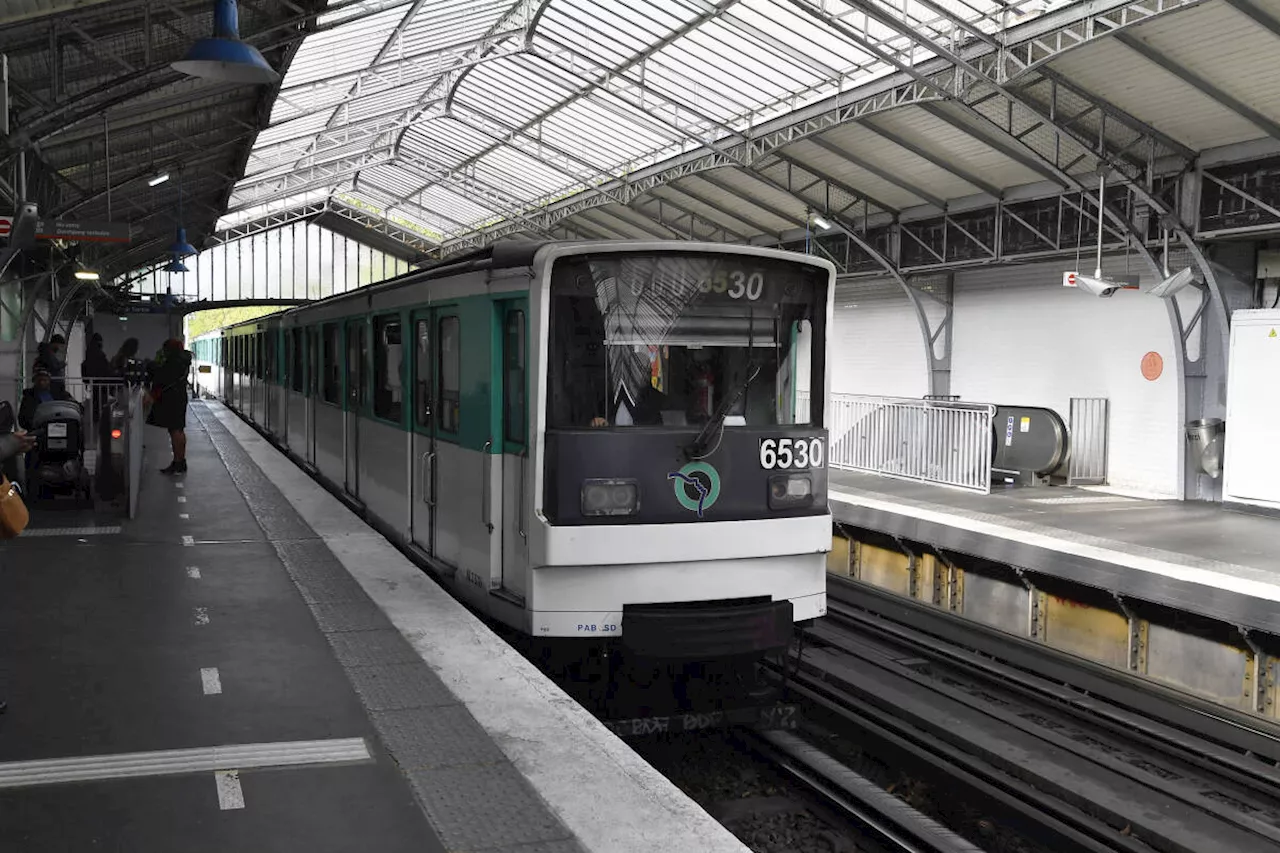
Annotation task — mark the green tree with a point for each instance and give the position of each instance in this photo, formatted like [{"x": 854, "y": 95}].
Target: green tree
[{"x": 200, "y": 322}]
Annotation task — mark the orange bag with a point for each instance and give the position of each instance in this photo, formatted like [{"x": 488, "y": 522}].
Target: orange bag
[{"x": 13, "y": 512}]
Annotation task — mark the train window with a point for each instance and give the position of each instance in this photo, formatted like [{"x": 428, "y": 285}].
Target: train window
[
  {"x": 684, "y": 341},
  {"x": 313, "y": 361},
  {"x": 332, "y": 367},
  {"x": 388, "y": 392},
  {"x": 423, "y": 373},
  {"x": 355, "y": 364},
  {"x": 449, "y": 358},
  {"x": 513, "y": 378},
  {"x": 269, "y": 366},
  {"x": 295, "y": 359}
]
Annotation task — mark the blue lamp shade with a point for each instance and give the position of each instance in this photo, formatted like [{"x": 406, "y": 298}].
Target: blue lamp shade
[
  {"x": 181, "y": 248},
  {"x": 223, "y": 57},
  {"x": 175, "y": 266}
]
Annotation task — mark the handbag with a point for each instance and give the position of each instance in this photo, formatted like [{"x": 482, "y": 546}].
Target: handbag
[{"x": 13, "y": 512}]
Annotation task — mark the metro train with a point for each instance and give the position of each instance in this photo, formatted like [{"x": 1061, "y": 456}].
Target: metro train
[{"x": 619, "y": 440}]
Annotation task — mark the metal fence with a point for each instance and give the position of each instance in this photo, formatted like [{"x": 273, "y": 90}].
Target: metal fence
[
  {"x": 94, "y": 396},
  {"x": 1088, "y": 434},
  {"x": 930, "y": 441}
]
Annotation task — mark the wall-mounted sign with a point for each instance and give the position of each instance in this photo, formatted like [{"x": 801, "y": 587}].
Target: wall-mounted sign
[
  {"x": 1152, "y": 366},
  {"x": 82, "y": 232}
]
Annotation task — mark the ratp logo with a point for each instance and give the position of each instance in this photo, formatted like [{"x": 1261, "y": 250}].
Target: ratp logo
[{"x": 697, "y": 486}]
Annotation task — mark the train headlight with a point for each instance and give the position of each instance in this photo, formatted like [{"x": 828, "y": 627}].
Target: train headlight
[
  {"x": 790, "y": 490},
  {"x": 610, "y": 497}
]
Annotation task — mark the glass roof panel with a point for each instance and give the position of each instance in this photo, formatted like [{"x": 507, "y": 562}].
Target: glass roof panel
[{"x": 491, "y": 108}]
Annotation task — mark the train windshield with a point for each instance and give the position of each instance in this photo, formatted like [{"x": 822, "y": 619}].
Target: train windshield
[{"x": 677, "y": 339}]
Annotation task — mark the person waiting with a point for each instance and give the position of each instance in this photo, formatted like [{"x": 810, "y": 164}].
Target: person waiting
[{"x": 42, "y": 390}]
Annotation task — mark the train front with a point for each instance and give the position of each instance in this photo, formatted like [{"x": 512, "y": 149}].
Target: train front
[{"x": 681, "y": 491}]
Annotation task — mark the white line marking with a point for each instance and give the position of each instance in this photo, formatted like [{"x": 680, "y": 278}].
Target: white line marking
[
  {"x": 182, "y": 499},
  {"x": 202, "y": 616},
  {"x": 193, "y": 572},
  {"x": 188, "y": 541},
  {"x": 212, "y": 683},
  {"x": 52, "y": 771},
  {"x": 230, "y": 796},
  {"x": 178, "y": 484},
  {"x": 183, "y": 515}
]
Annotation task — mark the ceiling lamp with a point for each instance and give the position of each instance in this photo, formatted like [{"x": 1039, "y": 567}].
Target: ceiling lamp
[
  {"x": 223, "y": 57},
  {"x": 157, "y": 180},
  {"x": 819, "y": 222},
  {"x": 181, "y": 248},
  {"x": 175, "y": 266},
  {"x": 86, "y": 275}
]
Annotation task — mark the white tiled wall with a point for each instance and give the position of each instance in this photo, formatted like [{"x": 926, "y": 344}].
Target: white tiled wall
[
  {"x": 876, "y": 350},
  {"x": 1021, "y": 338}
]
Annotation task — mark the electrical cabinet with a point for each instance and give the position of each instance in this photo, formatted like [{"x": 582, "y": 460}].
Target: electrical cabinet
[{"x": 1252, "y": 471}]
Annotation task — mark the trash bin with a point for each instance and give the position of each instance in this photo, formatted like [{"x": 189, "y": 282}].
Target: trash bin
[{"x": 1206, "y": 437}]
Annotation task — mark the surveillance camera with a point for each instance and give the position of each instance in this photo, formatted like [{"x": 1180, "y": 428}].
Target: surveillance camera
[
  {"x": 1097, "y": 286},
  {"x": 1176, "y": 282}
]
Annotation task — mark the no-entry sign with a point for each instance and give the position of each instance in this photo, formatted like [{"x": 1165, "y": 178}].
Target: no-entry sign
[{"x": 6, "y": 225}]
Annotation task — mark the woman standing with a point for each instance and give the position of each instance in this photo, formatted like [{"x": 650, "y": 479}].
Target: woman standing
[
  {"x": 169, "y": 400},
  {"x": 123, "y": 356}
]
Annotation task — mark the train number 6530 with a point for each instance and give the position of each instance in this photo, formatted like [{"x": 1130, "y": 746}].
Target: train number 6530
[{"x": 791, "y": 453}]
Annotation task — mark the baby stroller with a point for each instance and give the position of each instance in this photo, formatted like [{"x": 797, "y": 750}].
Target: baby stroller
[{"x": 58, "y": 466}]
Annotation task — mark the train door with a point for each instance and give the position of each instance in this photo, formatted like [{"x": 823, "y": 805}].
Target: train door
[
  {"x": 514, "y": 382},
  {"x": 357, "y": 347},
  {"x": 312, "y": 393},
  {"x": 268, "y": 378},
  {"x": 422, "y": 529}
]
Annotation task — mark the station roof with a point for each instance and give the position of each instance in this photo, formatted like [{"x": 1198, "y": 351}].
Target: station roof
[{"x": 458, "y": 122}]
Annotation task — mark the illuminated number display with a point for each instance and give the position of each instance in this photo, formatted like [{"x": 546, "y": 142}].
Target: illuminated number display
[
  {"x": 791, "y": 453},
  {"x": 745, "y": 285}
]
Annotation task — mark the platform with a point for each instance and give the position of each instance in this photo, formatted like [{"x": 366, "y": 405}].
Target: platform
[
  {"x": 247, "y": 666},
  {"x": 1193, "y": 557}
]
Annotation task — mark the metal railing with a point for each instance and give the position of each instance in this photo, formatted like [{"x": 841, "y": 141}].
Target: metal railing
[
  {"x": 1088, "y": 435},
  {"x": 930, "y": 441},
  {"x": 94, "y": 396}
]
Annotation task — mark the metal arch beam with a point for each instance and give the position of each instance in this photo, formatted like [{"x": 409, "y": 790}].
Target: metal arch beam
[
  {"x": 882, "y": 174},
  {"x": 1195, "y": 81},
  {"x": 848, "y": 189},
  {"x": 1192, "y": 376},
  {"x": 945, "y": 165}
]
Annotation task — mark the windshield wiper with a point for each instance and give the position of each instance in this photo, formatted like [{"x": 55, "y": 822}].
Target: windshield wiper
[{"x": 699, "y": 444}]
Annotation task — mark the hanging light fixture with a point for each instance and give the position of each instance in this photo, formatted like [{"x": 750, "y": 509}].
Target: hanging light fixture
[
  {"x": 175, "y": 266},
  {"x": 157, "y": 179},
  {"x": 223, "y": 57},
  {"x": 181, "y": 248},
  {"x": 86, "y": 275}
]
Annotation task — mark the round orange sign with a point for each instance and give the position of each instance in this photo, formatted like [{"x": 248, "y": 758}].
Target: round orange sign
[{"x": 1152, "y": 366}]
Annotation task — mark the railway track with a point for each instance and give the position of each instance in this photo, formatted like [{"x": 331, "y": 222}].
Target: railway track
[{"x": 1117, "y": 767}]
